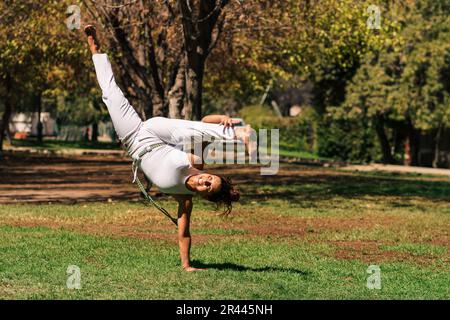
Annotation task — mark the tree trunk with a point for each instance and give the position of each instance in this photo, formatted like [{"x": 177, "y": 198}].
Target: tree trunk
[
  {"x": 398, "y": 141},
  {"x": 187, "y": 108},
  {"x": 414, "y": 144},
  {"x": 198, "y": 26},
  {"x": 4, "y": 125},
  {"x": 437, "y": 141},
  {"x": 384, "y": 141},
  {"x": 5, "y": 122},
  {"x": 194, "y": 91},
  {"x": 176, "y": 93},
  {"x": 39, "y": 123},
  {"x": 94, "y": 137},
  {"x": 86, "y": 134},
  {"x": 136, "y": 68}
]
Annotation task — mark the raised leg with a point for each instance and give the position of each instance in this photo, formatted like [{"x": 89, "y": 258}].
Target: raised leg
[{"x": 125, "y": 119}]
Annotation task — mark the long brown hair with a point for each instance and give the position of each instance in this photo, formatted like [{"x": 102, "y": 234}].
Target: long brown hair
[{"x": 225, "y": 196}]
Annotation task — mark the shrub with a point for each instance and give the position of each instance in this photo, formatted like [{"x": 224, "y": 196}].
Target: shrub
[{"x": 296, "y": 134}]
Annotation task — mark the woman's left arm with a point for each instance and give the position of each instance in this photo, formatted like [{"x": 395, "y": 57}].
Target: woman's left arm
[{"x": 220, "y": 119}]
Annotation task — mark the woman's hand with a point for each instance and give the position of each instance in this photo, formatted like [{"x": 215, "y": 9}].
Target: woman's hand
[
  {"x": 227, "y": 122},
  {"x": 220, "y": 119},
  {"x": 192, "y": 269}
]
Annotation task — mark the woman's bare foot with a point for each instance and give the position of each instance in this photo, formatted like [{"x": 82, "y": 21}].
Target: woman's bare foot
[{"x": 91, "y": 34}]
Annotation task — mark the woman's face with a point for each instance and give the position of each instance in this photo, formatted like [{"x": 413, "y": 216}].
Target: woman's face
[{"x": 207, "y": 184}]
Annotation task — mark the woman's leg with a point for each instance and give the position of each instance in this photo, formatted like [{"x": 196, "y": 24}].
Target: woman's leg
[{"x": 125, "y": 119}]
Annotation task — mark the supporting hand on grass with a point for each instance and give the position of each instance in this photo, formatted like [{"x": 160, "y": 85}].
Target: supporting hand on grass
[{"x": 191, "y": 269}]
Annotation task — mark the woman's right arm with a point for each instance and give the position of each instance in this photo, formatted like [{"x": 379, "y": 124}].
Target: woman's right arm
[{"x": 184, "y": 236}]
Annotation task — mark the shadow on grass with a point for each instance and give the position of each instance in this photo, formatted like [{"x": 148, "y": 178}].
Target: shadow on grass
[
  {"x": 60, "y": 144},
  {"x": 237, "y": 267},
  {"x": 323, "y": 186}
]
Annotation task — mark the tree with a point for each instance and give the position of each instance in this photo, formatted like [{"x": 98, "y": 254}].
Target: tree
[
  {"x": 424, "y": 94},
  {"x": 268, "y": 40},
  {"x": 18, "y": 50},
  {"x": 161, "y": 49},
  {"x": 36, "y": 49},
  {"x": 404, "y": 86}
]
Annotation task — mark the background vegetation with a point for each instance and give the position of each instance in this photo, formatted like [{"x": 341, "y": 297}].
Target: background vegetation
[{"x": 369, "y": 92}]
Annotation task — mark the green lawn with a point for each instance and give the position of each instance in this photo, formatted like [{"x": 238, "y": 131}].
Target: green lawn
[{"x": 311, "y": 238}]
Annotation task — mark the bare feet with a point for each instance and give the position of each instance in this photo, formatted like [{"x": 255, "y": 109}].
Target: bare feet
[{"x": 91, "y": 34}]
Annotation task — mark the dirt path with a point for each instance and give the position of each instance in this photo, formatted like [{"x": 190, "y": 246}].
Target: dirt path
[{"x": 40, "y": 178}]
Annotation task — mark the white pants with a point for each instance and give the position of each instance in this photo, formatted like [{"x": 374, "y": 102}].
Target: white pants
[{"x": 126, "y": 121}]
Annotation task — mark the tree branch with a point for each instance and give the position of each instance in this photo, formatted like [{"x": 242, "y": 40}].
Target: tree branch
[
  {"x": 216, "y": 37},
  {"x": 116, "y": 6}
]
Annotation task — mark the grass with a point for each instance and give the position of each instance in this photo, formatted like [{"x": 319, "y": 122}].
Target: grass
[
  {"x": 300, "y": 154},
  {"x": 312, "y": 237},
  {"x": 286, "y": 150}
]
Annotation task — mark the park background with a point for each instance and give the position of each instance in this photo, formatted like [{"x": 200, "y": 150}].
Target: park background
[
  {"x": 349, "y": 80},
  {"x": 346, "y": 82}
]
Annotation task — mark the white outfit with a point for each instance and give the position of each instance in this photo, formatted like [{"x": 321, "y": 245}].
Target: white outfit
[{"x": 168, "y": 167}]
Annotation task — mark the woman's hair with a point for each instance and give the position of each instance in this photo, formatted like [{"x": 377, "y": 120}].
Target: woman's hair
[{"x": 225, "y": 196}]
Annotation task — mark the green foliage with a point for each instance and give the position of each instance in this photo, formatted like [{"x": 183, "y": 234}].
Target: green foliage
[
  {"x": 81, "y": 109},
  {"x": 296, "y": 134},
  {"x": 404, "y": 82},
  {"x": 399, "y": 73},
  {"x": 39, "y": 55},
  {"x": 256, "y": 115},
  {"x": 347, "y": 140},
  {"x": 326, "y": 45},
  {"x": 321, "y": 40}
]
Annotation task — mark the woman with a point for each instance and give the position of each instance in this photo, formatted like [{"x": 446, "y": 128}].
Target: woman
[{"x": 174, "y": 171}]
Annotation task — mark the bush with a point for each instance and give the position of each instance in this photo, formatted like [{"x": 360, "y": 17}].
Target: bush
[
  {"x": 347, "y": 140},
  {"x": 296, "y": 134},
  {"x": 329, "y": 137}
]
